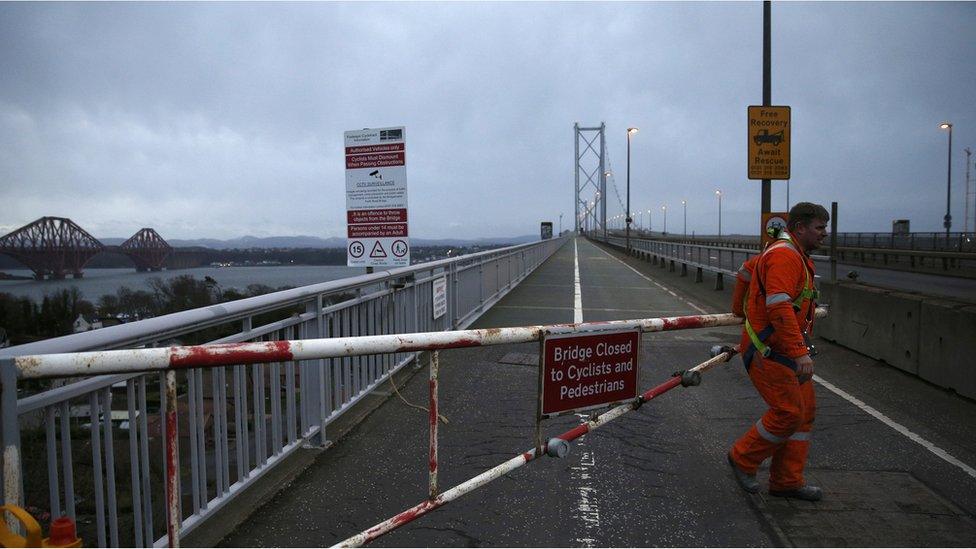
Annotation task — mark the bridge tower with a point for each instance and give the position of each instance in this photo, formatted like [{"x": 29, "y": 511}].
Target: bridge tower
[
  {"x": 51, "y": 247},
  {"x": 147, "y": 250},
  {"x": 591, "y": 205}
]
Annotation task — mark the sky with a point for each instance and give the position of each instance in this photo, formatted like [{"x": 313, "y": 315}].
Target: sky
[{"x": 221, "y": 120}]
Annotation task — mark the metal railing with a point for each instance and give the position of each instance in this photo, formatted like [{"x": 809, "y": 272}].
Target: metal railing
[
  {"x": 717, "y": 258},
  {"x": 933, "y": 242},
  {"x": 238, "y": 421}
]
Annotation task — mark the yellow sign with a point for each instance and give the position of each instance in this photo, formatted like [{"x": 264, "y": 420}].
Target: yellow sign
[
  {"x": 769, "y": 142},
  {"x": 772, "y": 224}
]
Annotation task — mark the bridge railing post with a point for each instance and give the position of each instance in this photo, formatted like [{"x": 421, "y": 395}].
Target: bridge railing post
[{"x": 13, "y": 490}]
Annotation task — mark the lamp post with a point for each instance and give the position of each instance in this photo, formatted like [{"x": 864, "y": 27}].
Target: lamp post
[
  {"x": 718, "y": 193},
  {"x": 947, "y": 220},
  {"x": 630, "y": 131},
  {"x": 665, "y": 210},
  {"x": 560, "y": 223},
  {"x": 684, "y": 206}
]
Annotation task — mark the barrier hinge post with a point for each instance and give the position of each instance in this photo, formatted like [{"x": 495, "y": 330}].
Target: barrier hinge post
[{"x": 12, "y": 478}]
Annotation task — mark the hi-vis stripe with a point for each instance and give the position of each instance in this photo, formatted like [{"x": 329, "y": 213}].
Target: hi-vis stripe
[
  {"x": 778, "y": 298},
  {"x": 763, "y": 432}
]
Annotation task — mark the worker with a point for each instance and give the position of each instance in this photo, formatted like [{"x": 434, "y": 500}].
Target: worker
[{"x": 779, "y": 310}]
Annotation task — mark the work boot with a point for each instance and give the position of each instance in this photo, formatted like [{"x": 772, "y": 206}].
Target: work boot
[
  {"x": 807, "y": 493},
  {"x": 746, "y": 481}
]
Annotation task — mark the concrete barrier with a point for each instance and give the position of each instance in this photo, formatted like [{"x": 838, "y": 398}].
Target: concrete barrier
[
  {"x": 947, "y": 345},
  {"x": 932, "y": 338}
]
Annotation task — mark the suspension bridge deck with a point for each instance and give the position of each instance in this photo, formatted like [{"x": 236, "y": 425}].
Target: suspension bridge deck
[{"x": 893, "y": 454}]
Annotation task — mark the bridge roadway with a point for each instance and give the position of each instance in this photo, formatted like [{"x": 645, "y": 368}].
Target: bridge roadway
[{"x": 658, "y": 475}]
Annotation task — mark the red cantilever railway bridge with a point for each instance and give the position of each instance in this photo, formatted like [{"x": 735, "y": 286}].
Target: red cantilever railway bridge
[{"x": 52, "y": 247}]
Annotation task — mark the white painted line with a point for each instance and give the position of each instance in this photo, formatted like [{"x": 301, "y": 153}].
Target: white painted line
[
  {"x": 896, "y": 426},
  {"x": 577, "y": 293},
  {"x": 640, "y": 274}
]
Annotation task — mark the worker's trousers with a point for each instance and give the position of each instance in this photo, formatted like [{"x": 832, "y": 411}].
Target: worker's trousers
[{"x": 783, "y": 432}]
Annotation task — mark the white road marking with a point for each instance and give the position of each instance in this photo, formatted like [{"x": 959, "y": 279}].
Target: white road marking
[
  {"x": 896, "y": 426},
  {"x": 946, "y": 456},
  {"x": 577, "y": 294},
  {"x": 588, "y": 506}
]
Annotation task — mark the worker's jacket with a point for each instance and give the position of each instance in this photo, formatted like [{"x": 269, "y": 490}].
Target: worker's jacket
[
  {"x": 742, "y": 280},
  {"x": 776, "y": 307}
]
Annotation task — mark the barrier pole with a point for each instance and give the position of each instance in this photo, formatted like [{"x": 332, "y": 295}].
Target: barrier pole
[
  {"x": 514, "y": 463},
  {"x": 124, "y": 361},
  {"x": 434, "y": 360}
]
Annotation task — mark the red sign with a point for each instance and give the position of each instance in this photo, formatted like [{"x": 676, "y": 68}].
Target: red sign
[
  {"x": 393, "y": 215},
  {"x": 367, "y": 149},
  {"x": 582, "y": 371},
  {"x": 385, "y": 230},
  {"x": 378, "y": 160}
]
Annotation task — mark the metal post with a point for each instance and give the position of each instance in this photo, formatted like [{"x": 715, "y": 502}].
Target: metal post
[
  {"x": 684, "y": 204},
  {"x": 719, "y": 193},
  {"x": 833, "y": 242},
  {"x": 576, "y": 171},
  {"x": 767, "y": 96},
  {"x": 966, "y": 222},
  {"x": 948, "y": 216},
  {"x": 627, "y": 220},
  {"x": 12, "y": 482},
  {"x": 603, "y": 178},
  {"x": 434, "y": 360},
  {"x": 173, "y": 518}
]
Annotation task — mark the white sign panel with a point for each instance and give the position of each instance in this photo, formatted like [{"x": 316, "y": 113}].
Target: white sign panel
[
  {"x": 376, "y": 198},
  {"x": 440, "y": 297}
]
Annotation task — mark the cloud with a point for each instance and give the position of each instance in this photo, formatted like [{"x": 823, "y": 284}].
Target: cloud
[{"x": 224, "y": 119}]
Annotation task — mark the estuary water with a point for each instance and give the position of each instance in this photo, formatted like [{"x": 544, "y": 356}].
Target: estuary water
[{"x": 99, "y": 282}]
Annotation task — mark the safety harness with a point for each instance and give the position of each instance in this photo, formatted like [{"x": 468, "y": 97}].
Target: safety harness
[{"x": 758, "y": 339}]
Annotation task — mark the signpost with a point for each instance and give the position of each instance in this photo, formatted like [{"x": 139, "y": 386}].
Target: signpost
[
  {"x": 772, "y": 220},
  {"x": 439, "y": 297},
  {"x": 545, "y": 230},
  {"x": 584, "y": 371},
  {"x": 769, "y": 142},
  {"x": 376, "y": 198}
]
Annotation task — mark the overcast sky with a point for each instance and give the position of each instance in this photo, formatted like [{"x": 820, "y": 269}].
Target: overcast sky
[{"x": 222, "y": 120}]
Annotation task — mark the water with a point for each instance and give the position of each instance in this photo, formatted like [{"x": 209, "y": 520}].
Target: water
[{"x": 99, "y": 282}]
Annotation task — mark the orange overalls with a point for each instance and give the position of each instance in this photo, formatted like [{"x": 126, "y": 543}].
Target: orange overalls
[{"x": 779, "y": 312}]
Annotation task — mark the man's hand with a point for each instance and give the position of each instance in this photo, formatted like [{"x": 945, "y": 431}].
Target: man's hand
[{"x": 804, "y": 368}]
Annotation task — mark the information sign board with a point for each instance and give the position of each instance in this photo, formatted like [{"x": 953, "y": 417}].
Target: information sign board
[
  {"x": 545, "y": 230},
  {"x": 376, "y": 198},
  {"x": 589, "y": 370},
  {"x": 769, "y": 142},
  {"x": 439, "y": 297}
]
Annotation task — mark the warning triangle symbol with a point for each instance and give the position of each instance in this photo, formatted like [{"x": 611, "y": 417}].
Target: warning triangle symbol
[{"x": 378, "y": 250}]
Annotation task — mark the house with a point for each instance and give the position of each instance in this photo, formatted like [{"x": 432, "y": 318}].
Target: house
[{"x": 85, "y": 324}]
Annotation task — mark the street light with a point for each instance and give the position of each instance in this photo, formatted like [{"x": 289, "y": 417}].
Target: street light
[
  {"x": 630, "y": 131},
  {"x": 718, "y": 193},
  {"x": 684, "y": 205},
  {"x": 665, "y": 210},
  {"x": 650, "y": 223},
  {"x": 947, "y": 220}
]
